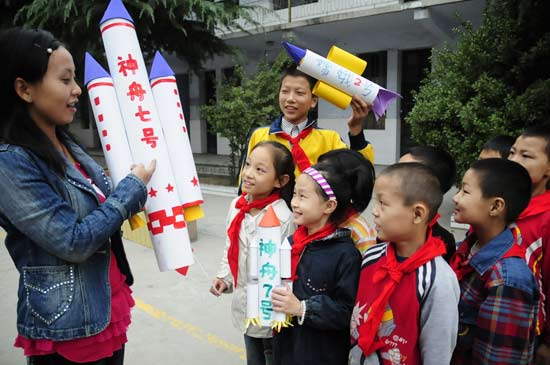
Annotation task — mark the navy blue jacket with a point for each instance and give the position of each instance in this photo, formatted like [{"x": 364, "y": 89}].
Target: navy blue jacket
[{"x": 328, "y": 275}]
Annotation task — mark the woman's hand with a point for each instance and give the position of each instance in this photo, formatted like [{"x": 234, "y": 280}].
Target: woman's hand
[
  {"x": 218, "y": 287},
  {"x": 284, "y": 300},
  {"x": 144, "y": 173}
]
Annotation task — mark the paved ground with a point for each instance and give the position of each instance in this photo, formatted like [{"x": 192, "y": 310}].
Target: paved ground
[{"x": 176, "y": 320}]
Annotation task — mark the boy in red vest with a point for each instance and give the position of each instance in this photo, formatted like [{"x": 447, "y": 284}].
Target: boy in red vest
[
  {"x": 406, "y": 310},
  {"x": 499, "y": 294},
  {"x": 532, "y": 151}
]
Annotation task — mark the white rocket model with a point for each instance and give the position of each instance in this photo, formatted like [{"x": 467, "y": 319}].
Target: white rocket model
[
  {"x": 110, "y": 126},
  {"x": 144, "y": 135},
  {"x": 116, "y": 149},
  {"x": 266, "y": 263},
  {"x": 166, "y": 93}
]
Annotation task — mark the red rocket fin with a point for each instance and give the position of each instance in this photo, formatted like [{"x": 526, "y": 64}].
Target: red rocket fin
[
  {"x": 270, "y": 219},
  {"x": 183, "y": 270}
]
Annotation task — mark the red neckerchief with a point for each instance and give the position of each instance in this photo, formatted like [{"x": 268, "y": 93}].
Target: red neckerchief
[
  {"x": 235, "y": 227},
  {"x": 392, "y": 272},
  {"x": 461, "y": 264},
  {"x": 298, "y": 154},
  {"x": 538, "y": 204},
  {"x": 301, "y": 239}
]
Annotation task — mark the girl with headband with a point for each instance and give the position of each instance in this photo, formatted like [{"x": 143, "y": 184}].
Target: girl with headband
[{"x": 325, "y": 272}]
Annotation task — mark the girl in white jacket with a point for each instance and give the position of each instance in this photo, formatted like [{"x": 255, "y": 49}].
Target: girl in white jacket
[{"x": 267, "y": 180}]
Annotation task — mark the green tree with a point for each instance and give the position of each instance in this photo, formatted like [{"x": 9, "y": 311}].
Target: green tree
[
  {"x": 243, "y": 107},
  {"x": 496, "y": 80},
  {"x": 185, "y": 27}
]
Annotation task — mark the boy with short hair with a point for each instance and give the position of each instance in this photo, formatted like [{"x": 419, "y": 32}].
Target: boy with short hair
[
  {"x": 532, "y": 151},
  {"x": 499, "y": 294},
  {"x": 297, "y": 130},
  {"x": 406, "y": 310},
  {"x": 444, "y": 168},
  {"x": 497, "y": 147}
]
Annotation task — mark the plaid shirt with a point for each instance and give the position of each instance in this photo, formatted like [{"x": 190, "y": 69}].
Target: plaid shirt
[{"x": 498, "y": 308}]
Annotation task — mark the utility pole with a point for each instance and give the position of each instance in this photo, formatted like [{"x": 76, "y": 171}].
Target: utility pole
[{"x": 289, "y": 11}]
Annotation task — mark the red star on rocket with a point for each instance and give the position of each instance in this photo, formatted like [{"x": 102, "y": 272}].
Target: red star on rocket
[
  {"x": 195, "y": 181},
  {"x": 170, "y": 188},
  {"x": 152, "y": 193}
]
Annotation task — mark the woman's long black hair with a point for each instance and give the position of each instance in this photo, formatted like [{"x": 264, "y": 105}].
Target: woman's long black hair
[{"x": 25, "y": 55}]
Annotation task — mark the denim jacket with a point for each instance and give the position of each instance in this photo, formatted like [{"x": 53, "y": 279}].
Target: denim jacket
[{"x": 58, "y": 236}]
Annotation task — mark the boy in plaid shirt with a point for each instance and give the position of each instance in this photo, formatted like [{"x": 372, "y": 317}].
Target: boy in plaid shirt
[{"x": 499, "y": 294}]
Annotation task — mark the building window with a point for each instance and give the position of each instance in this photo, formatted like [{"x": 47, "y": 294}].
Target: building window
[
  {"x": 283, "y": 4},
  {"x": 376, "y": 71},
  {"x": 415, "y": 65}
]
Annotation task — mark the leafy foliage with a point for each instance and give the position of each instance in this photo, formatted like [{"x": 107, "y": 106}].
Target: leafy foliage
[
  {"x": 185, "y": 27},
  {"x": 495, "y": 81},
  {"x": 246, "y": 106}
]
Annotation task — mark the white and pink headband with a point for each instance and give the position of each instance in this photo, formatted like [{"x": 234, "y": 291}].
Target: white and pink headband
[{"x": 323, "y": 183}]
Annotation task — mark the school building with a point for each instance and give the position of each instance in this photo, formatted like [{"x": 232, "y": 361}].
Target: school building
[{"x": 395, "y": 37}]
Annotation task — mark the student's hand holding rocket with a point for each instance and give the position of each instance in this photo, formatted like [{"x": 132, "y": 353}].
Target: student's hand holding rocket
[{"x": 359, "y": 111}]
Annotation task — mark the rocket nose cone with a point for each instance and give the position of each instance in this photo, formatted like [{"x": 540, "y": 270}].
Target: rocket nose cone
[
  {"x": 270, "y": 218},
  {"x": 295, "y": 52},
  {"x": 92, "y": 69},
  {"x": 160, "y": 67},
  {"x": 114, "y": 10}
]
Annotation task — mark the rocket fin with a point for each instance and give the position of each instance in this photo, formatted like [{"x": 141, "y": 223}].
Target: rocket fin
[
  {"x": 183, "y": 270},
  {"x": 193, "y": 213},
  {"x": 382, "y": 100}
]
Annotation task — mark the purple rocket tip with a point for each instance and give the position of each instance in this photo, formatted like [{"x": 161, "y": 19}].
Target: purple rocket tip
[
  {"x": 382, "y": 100},
  {"x": 295, "y": 52},
  {"x": 93, "y": 70},
  {"x": 160, "y": 67},
  {"x": 116, "y": 9}
]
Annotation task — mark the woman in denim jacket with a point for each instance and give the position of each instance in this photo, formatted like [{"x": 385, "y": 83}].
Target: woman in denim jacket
[{"x": 61, "y": 216}]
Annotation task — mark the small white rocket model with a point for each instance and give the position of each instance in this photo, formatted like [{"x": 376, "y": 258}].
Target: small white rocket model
[
  {"x": 110, "y": 126},
  {"x": 268, "y": 268},
  {"x": 339, "y": 76},
  {"x": 128, "y": 96}
]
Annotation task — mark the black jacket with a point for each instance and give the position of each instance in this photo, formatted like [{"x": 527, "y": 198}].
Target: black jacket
[{"x": 328, "y": 275}]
